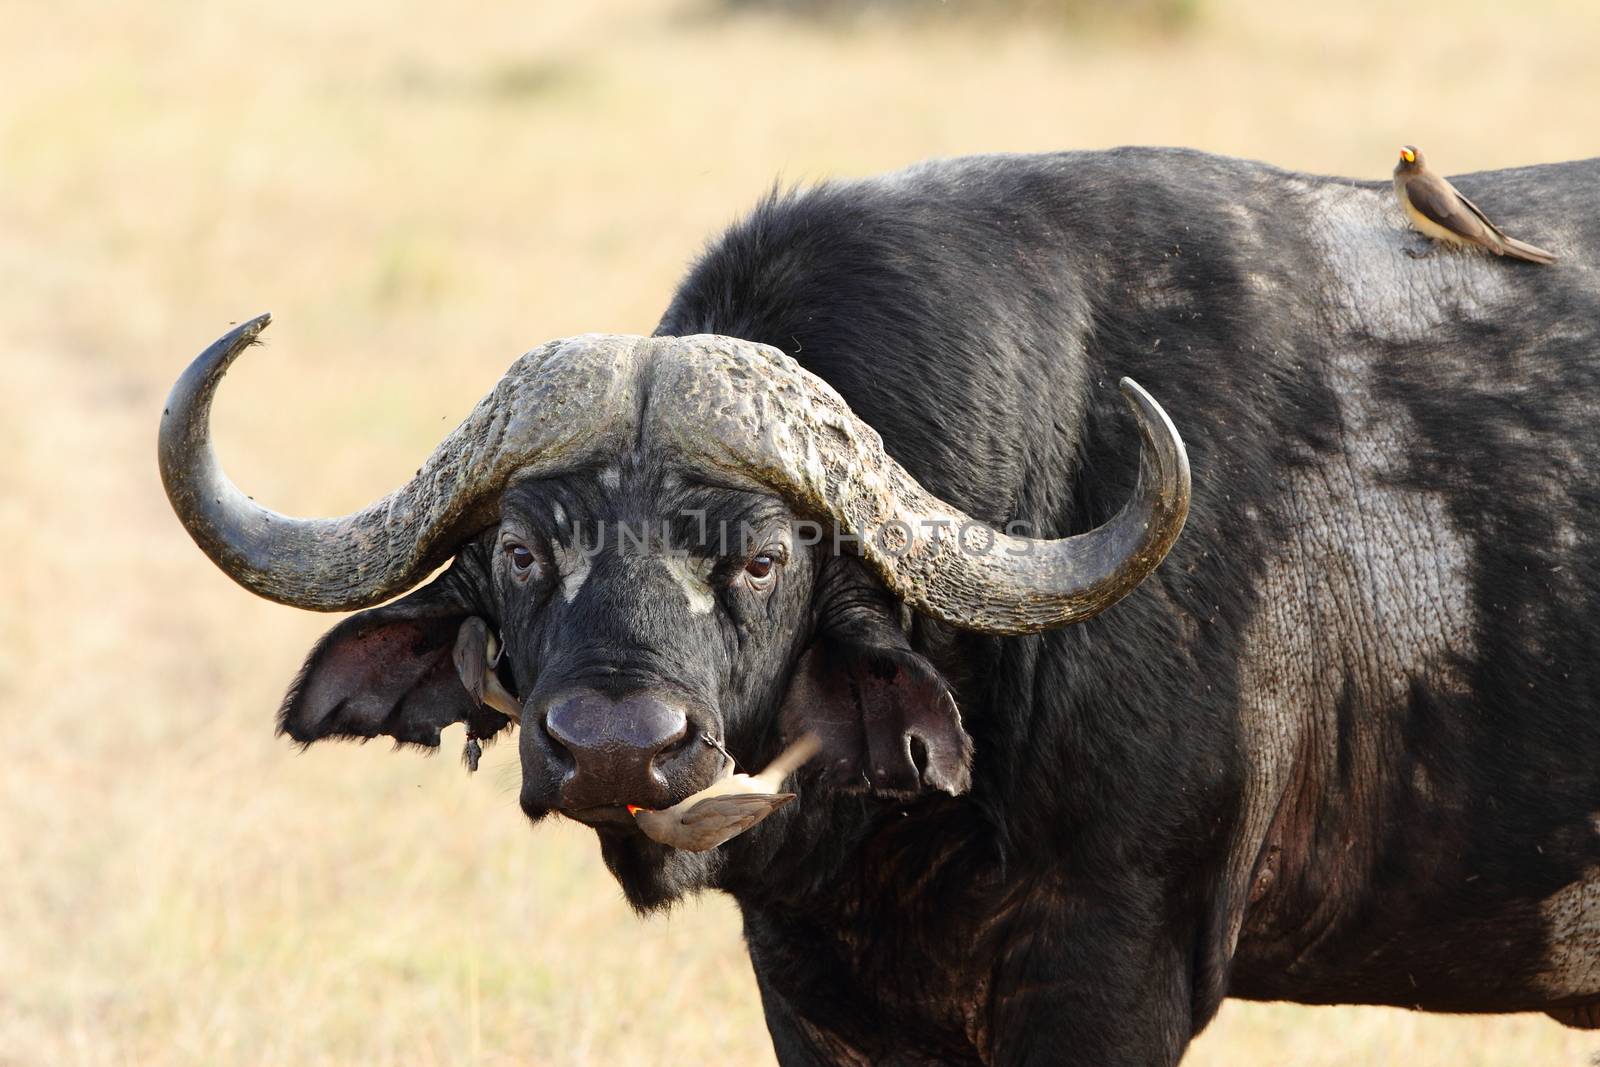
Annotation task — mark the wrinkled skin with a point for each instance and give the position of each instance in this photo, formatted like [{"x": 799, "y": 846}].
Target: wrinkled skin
[{"x": 1341, "y": 746}]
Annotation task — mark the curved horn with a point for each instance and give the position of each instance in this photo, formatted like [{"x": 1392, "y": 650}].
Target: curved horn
[
  {"x": 744, "y": 409},
  {"x": 759, "y": 414},
  {"x": 557, "y": 404}
]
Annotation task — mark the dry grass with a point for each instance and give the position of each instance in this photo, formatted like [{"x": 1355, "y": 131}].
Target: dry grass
[{"x": 419, "y": 197}]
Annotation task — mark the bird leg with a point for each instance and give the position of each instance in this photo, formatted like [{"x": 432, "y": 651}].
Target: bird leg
[{"x": 1427, "y": 247}]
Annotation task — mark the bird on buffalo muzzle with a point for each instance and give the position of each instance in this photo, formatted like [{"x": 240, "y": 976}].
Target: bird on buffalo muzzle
[
  {"x": 727, "y": 807},
  {"x": 1438, "y": 210}
]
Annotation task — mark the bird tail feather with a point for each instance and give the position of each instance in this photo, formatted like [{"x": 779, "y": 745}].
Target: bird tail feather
[
  {"x": 1524, "y": 251},
  {"x": 791, "y": 759}
]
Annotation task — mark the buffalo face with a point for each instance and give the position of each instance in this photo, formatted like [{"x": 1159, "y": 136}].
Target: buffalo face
[
  {"x": 690, "y": 549},
  {"x": 650, "y": 625}
]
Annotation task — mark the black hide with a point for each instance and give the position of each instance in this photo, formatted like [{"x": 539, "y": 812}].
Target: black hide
[{"x": 1341, "y": 746}]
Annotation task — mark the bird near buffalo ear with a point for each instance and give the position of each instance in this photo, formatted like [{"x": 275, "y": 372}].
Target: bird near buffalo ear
[
  {"x": 476, "y": 655},
  {"x": 1438, "y": 210}
]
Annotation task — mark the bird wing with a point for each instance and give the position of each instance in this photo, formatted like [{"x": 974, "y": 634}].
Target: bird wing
[
  {"x": 713, "y": 820},
  {"x": 744, "y": 809},
  {"x": 1439, "y": 202},
  {"x": 1476, "y": 210}
]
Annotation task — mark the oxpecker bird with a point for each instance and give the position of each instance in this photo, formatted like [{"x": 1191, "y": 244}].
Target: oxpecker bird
[
  {"x": 727, "y": 807},
  {"x": 1438, "y": 210}
]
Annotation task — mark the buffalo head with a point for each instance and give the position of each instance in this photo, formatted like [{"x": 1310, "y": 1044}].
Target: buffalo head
[{"x": 688, "y": 547}]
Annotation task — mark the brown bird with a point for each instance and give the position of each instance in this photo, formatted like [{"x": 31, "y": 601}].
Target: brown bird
[
  {"x": 727, "y": 807},
  {"x": 1438, "y": 210},
  {"x": 476, "y": 655}
]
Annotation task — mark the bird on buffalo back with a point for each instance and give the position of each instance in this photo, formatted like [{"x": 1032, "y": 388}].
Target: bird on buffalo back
[{"x": 1438, "y": 210}]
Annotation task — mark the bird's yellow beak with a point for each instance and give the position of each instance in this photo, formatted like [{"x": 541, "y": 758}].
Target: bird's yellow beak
[{"x": 1408, "y": 155}]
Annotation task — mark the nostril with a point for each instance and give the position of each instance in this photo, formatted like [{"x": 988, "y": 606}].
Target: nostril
[
  {"x": 676, "y": 744},
  {"x": 560, "y": 739},
  {"x": 559, "y": 750}
]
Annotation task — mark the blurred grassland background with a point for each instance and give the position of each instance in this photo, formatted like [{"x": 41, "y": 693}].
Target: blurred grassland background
[{"x": 420, "y": 194}]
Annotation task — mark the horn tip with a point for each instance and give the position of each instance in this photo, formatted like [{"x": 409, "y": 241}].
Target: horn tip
[
  {"x": 1155, "y": 419},
  {"x": 1143, "y": 404},
  {"x": 1141, "y": 401},
  {"x": 249, "y": 330},
  {"x": 1132, "y": 389},
  {"x": 243, "y": 335},
  {"x": 185, "y": 415}
]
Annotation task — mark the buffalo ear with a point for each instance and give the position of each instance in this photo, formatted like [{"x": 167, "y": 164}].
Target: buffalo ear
[
  {"x": 886, "y": 718},
  {"x": 389, "y": 672}
]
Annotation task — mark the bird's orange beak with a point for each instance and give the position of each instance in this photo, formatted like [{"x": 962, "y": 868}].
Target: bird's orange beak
[{"x": 1408, "y": 155}]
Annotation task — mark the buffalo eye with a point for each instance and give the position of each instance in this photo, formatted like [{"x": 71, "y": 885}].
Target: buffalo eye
[
  {"x": 520, "y": 558},
  {"x": 761, "y": 570}
]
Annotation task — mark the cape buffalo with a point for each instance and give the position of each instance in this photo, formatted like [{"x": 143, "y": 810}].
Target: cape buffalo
[{"x": 1341, "y": 746}]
